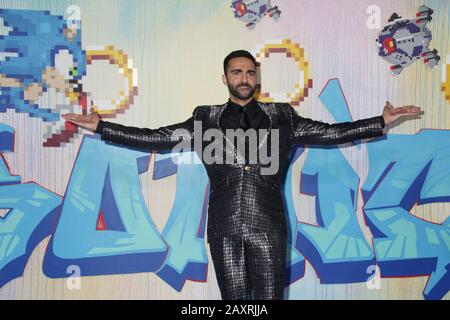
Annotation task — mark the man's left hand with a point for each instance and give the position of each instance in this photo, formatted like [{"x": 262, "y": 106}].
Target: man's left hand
[{"x": 390, "y": 114}]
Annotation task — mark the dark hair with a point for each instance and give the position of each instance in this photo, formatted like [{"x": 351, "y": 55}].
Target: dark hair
[{"x": 237, "y": 54}]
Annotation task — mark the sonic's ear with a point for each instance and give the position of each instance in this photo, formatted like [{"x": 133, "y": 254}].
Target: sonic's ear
[{"x": 394, "y": 17}]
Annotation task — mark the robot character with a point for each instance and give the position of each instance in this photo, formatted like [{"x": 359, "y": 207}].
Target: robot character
[
  {"x": 404, "y": 41},
  {"x": 252, "y": 11}
]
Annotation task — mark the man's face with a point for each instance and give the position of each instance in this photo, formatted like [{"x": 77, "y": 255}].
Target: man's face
[{"x": 241, "y": 78}]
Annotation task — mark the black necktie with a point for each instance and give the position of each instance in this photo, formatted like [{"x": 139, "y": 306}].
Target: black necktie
[{"x": 244, "y": 123}]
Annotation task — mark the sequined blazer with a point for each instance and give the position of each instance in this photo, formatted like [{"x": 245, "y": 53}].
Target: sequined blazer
[{"x": 242, "y": 199}]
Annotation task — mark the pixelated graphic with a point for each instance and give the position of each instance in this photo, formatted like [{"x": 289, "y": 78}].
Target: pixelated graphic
[
  {"x": 252, "y": 11},
  {"x": 42, "y": 67},
  {"x": 291, "y": 50},
  {"x": 110, "y": 108},
  {"x": 446, "y": 79},
  {"x": 403, "y": 41}
]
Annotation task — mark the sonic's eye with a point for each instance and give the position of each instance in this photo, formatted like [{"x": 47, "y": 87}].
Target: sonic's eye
[{"x": 73, "y": 71}]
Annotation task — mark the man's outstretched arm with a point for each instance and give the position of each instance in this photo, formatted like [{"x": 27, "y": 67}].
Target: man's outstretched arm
[
  {"x": 162, "y": 138},
  {"x": 310, "y": 131}
]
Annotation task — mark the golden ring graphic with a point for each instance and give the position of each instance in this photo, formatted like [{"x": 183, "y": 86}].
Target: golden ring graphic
[
  {"x": 126, "y": 96},
  {"x": 294, "y": 51},
  {"x": 446, "y": 79}
]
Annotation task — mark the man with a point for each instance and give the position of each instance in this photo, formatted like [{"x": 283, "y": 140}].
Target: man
[{"x": 247, "y": 230}]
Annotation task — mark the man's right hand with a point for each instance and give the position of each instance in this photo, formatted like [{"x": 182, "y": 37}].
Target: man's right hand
[{"x": 89, "y": 121}]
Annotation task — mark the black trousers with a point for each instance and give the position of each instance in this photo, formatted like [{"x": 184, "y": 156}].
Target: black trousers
[{"x": 251, "y": 265}]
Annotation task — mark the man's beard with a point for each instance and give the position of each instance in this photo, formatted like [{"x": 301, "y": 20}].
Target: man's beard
[{"x": 235, "y": 92}]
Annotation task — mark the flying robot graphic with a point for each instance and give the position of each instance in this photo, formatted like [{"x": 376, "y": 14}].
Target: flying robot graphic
[
  {"x": 252, "y": 11},
  {"x": 403, "y": 41}
]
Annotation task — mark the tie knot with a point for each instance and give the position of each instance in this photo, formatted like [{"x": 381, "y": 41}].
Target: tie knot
[{"x": 244, "y": 123}]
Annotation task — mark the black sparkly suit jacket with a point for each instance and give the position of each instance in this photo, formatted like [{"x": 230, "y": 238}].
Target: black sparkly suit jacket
[{"x": 242, "y": 199}]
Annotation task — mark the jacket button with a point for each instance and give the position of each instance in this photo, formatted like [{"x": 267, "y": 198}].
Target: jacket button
[{"x": 247, "y": 168}]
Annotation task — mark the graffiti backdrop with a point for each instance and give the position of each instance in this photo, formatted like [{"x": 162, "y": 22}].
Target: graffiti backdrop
[{"x": 82, "y": 219}]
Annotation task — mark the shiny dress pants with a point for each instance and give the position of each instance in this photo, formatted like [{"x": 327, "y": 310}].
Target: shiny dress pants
[{"x": 250, "y": 266}]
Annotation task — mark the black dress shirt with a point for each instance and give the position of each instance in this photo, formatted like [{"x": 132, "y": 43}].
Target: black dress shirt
[
  {"x": 231, "y": 116},
  {"x": 257, "y": 119}
]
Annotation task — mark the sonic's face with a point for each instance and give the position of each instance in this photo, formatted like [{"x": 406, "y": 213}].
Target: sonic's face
[
  {"x": 43, "y": 69},
  {"x": 65, "y": 65},
  {"x": 63, "y": 95},
  {"x": 66, "y": 71}
]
